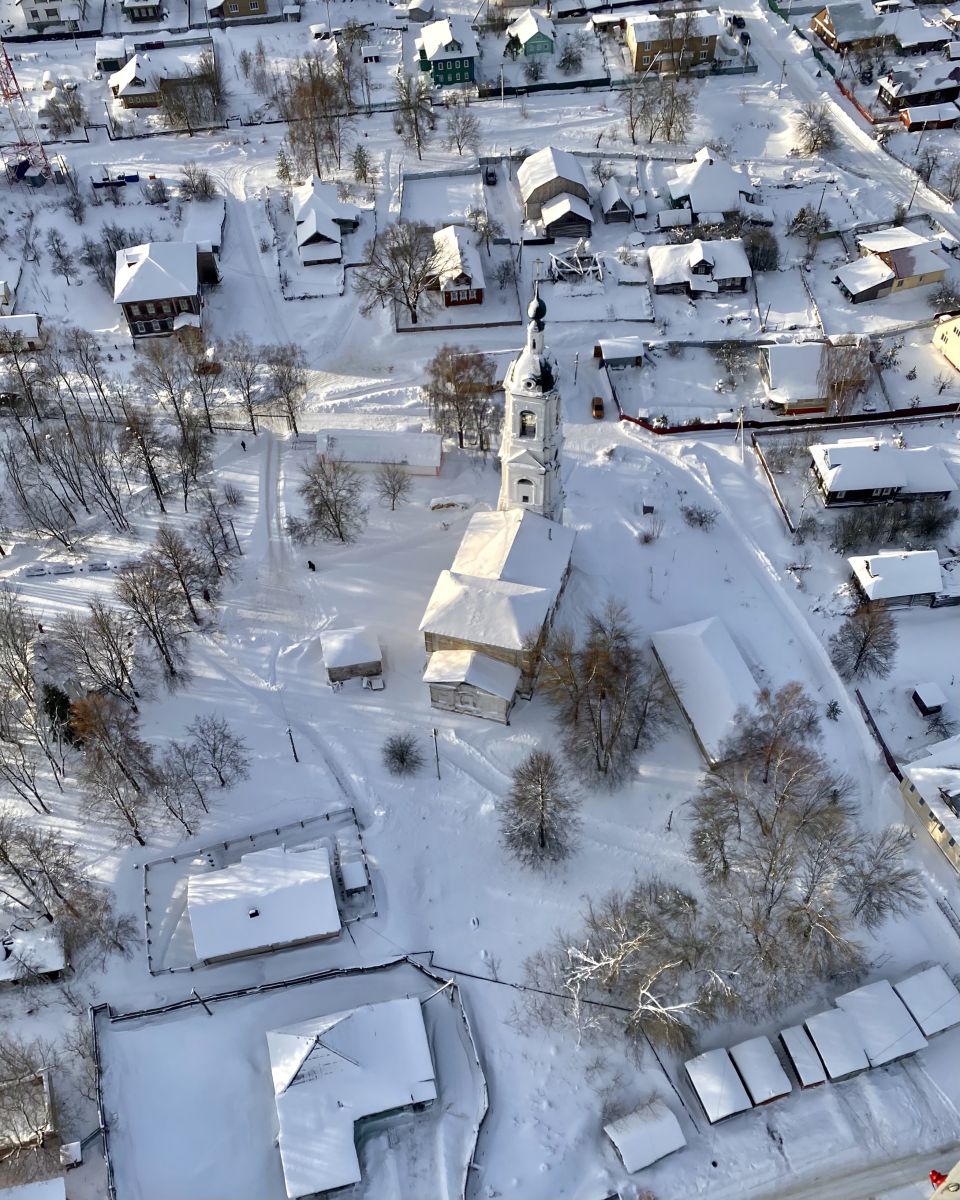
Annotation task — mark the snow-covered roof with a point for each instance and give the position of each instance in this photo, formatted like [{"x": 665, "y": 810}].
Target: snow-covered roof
[
  {"x": 110, "y": 48},
  {"x": 726, "y": 258},
  {"x": 320, "y": 196},
  {"x": 708, "y": 673},
  {"x": 27, "y": 325},
  {"x": 614, "y": 349},
  {"x": 648, "y": 27},
  {"x": 348, "y": 647},
  {"x": 269, "y": 898},
  {"x": 26, "y": 952},
  {"x": 316, "y": 223},
  {"x": 838, "y": 1042},
  {"x": 329, "y": 1072},
  {"x": 709, "y": 183},
  {"x": 931, "y": 694},
  {"x": 852, "y": 20},
  {"x": 204, "y": 223},
  {"x": 645, "y": 1136},
  {"x": 131, "y": 77},
  {"x": 862, "y": 464},
  {"x": 897, "y": 237},
  {"x": 453, "y": 32},
  {"x": 759, "y": 1068},
  {"x": 932, "y": 998},
  {"x": 894, "y": 573},
  {"x": 379, "y": 446},
  {"x": 936, "y": 776},
  {"x": 545, "y": 166},
  {"x": 559, "y": 206},
  {"x": 487, "y": 612},
  {"x": 803, "y": 1055},
  {"x": 920, "y": 113},
  {"x": 794, "y": 371},
  {"x": 717, "y": 1084},
  {"x": 54, "y": 1188},
  {"x": 864, "y": 273},
  {"x": 612, "y": 196},
  {"x": 155, "y": 271},
  {"x": 455, "y": 255},
  {"x": 529, "y": 24},
  {"x": 516, "y": 546},
  {"x": 910, "y": 29},
  {"x": 473, "y": 668},
  {"x": 883, "y": 1022}
]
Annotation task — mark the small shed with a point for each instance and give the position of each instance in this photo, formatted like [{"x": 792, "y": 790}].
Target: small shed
[
  {"x": 901, "y": 577},
  {"x": 929, "y": 116},
  {"x": 674, "y": 218},
  {"x": 469, "y": 682},
  {"x": 759, "y": 1068},
  {"x": 350, "y": 654},
  {"x": 614, "y": 205},
  {"x": 883, "y": 1021},
  {"x": 929, "y": 698},
  {"x": 644, "y": 1137},
  {"x": 617, "y": 353},
  {"x": 838, "y": 1043},
  {"x": 567, "y": 216},
  {"x": 717, "y": 1085},
  {"x": 803, "y": 1056},
  {"x": 33, "y": 953},
  {"x": 932, "y": 999},
  {"x": 420, "y": 11},
  {"x": 110, "y": 54}
]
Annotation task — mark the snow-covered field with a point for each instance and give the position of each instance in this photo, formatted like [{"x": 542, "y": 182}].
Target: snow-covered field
[{"x": 187, "y": 1095}]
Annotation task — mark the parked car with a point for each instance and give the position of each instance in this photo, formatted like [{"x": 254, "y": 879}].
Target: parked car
[
  {"x": 32, "y": 572},
  {"x": 490, "y": 176},
  {"x": 63, "y": 569},
  {"x": 98, "y": 564},
  {"x": 596, "y": 408}
]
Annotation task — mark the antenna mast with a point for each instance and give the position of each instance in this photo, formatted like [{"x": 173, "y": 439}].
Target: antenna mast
[{"x": 25, "y": 151}]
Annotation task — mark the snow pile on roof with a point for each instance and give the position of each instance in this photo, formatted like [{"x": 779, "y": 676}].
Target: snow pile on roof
[
  {"x": 838, "y": 1043},
  {"x": 529, "y": 24},
  {"x": 477, "y": 670},
  {"x": 863, "y": 464},
  {"x": 24, "y": 325},
  {"x": 852, "y": 20},
  {"x": 547, "y": 165},
  {"x": 348, "y": 647},
  {"x": 30, "y": 952},
  {"x": 645, "y": 1136},
  {"x": 486, "y": 612},
  {"x": 894, "y": 573},
  {"x": 759, "y": 1068},
  {"x": 455, "y": 256},
  {"x": 726, "y": 259},
  {"x": 932, "y": 999},
  {"x": 560, "y": 206},
  {"x": 110, "y": 48},
  {"x": 803, "y": 1055},
  {"x": 717, "y": 1084},
  {"x": 516, "y": 547},
  {"x": 708, "y": 673},
  {"x": 450, "y": 38},
  {"x": 204, "y": 223},
  {"x": 896, "y": 237},
  {"x": 794, "y": 371},
  {"x": 709, "y": 183},
  {"x": 330, "y": 1072},
  {"x": 269, "y": 898},
  {"x": 155, "y": 271},
  {"x": 648, "y": 27},
  {"x": 376, "y": 447},
  {"x": 883, "y": 1022}
]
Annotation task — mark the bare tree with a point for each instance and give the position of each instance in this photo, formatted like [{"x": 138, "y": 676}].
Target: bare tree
[
  {"x": 163, "y": 373},
  {"x": 413, "y": 118},
  {"x": 778, "y": 721},
  {"x": 393, "y": 484},
  {"x": 677, "y": 108},
  {"x": 815, "y": 129},
  {"x": 174, "y": 792},
  {"x": 538, "y": 819},
  {"x": 332, "y": 494},
  {"x": 96, "y": 649},
  {"x": 461, "y": 126},
  {"x": 843, "y": 373},
  {"x": 402, "y": 754},
  {"x": 488, "y": 229},
  {"x": 399, "y": 269},
  {"x": 61, "y": 258},
  {"x": 147, "y": 590},
  {"x": 143, "y": 443},
  {"x": 243, "y": 363},
  {"x": 317, "y": 104},
  {"x": 117, "y": 763},
  {"x": 879, "y": 882},
  {"x": 220, "y": 750},
  {"x": 191, "y": 455},
  {"x": 949, "y": 182},
  {"x": 287, "y": 373},
  {"x": 196, "y": 182},
  {"x": 865, "y": 644},
  {"x": 640, "y": 101},
  {"x": 174, "y": 554},
  {"x": 460, "y": 386},
  {"x": 36, "y": 504},
  {"x": 203, "y": 376}
]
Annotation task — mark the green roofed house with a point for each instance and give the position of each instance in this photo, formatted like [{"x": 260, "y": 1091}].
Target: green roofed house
[{"x": 448, "y": 49}]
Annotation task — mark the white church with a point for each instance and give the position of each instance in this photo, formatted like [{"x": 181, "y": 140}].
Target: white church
[{"x": 489, "y": 614}]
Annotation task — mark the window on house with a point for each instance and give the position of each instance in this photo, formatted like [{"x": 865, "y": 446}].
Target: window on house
[
  {"x": 156, "y": 326},
  {"x": 528, "y": 424},
  {"x": 457, "y": 77},
  {"x": 166, "y": 307},
  {"x": 151, "y": 309},
  {"x": 646, "y": 60},
  {"x": 706, "y": 41},
  {"x": 52, "y": 12},
  {"x": 703, "y": 54},
  {"x": 141, "y": 328},
  {"x": 233, "y": 8},
  {"x": 35, "y": 13},
  {"x": 648, "y": 45},
  {"x": 184, "y": 305},
  {"x": 254, "y": 5},
  {"x": 525, "y": 488}
]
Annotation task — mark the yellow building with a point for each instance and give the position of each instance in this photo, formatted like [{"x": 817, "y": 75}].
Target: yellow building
[{"x": 946, "y": 337}]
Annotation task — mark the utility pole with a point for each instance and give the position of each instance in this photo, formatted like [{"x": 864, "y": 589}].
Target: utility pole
[
  {"x": 436, "y": 750},
  {"x": 783, "y": 75},
  {"x": 576, "y": 365},
  {"x": 913, "y": 194},
  {"x": 293, "y": 745}
]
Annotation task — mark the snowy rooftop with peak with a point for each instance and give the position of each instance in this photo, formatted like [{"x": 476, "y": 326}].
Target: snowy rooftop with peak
[
  {"x": 864, "y": 463},
  {"x": 473, "y": 668},
  {"x": 155, "y": 271},
  {"x": 894, "y": 573},
  {"x": 546, "y": 165},
  {"x": 349, "y": 647},
  {"x": 487, "y": 612},
  {"x": 515, "y": 546}
]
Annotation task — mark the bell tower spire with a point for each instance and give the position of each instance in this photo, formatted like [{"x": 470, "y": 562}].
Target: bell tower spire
[{"x": 532, "y": 432}]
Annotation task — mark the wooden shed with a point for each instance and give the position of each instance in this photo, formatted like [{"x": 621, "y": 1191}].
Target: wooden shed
[
  {"x": 929, "y": 698},
  {"x": 759, "y": 1068},
  {"x": 466, "y": 681},
  {"x": 718, "y": 1087},
  {"x": 838, "y": 1043},
  {"x": 803, "y": 1056},
  {"x": 350, "y": 654}
]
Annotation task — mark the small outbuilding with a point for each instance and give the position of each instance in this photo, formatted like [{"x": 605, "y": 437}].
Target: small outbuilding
[
  {"x": 549, "y": 173},
  {"x": 837, "y": 1041},
  {"x": 466, "y": 681},
  {"x": 34, "y": 952},
  {"x": 617, "y": 353},
  {"x": 110, "y": 54},
  {"x": 929, "y": 698},
  {"x": 350, "y": 654},
  {"x": 24, "y": 331},
  {"x": 884, "y": 1024},
  {"x": 759, "y": 1068},
  {"x": 420, "y": 11},
  {"x": 614, "y": 205},
  {"x": 644, "y": 1137},
  {"x": 566, "y": 216},
  {"x": 791, "y": 375},
  {"x": 718, "y": 1086},
  {"x": 932, "y": 998},
  {"x": 803, "y": 1056}
]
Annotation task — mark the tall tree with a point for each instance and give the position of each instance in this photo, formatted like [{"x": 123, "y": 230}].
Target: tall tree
[
  {"x": 866, "y": 643},
  {"x": 243, "y": 363},
  {"x": 413, "y": 118},
  {"x": 287, "y": 373},
  {"x": 399, "y": 268},
  {"x": 154, "y": 599},
  {"x": 538, "y": 818},
  {"x": 332, "y": 495},
  {"x": 459, "y": 389},
  {"x": 222, "y": 752}
]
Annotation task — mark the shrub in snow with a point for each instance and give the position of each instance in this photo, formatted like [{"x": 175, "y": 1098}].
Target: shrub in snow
[
  {"x": 402, "y": 754},
  {"x": 699, "y": 517}
]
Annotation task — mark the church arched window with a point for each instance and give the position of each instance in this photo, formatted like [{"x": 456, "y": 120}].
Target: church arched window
[
  {"x": 528, "y": 424},
  {"x": 525, "y": 490}
]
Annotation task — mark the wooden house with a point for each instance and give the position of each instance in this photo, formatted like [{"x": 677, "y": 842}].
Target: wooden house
[
  {"x": 931, "y": 788},
  {"x": 466, "y": 681},
  {"x": 457, "y": 268},
  {"x": 891, "y": 260},
  {"x": 235, "y": 10},
  {"x": 531, "y": 34},
  {"x": 448, "y": 50},
  {"x": 849, "y": 26},
  {"x": 614, "y": 205},
  {"x": 547, "y": 174},
  {"x": 700, "y": 267},
  {"x": 673, "y": 43},
  {"x": 24, "y": 331},
  {"x": 865, "y": 471},
  {"x": 158, "y": 287},
  {"x": 898, "y": 578}
]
